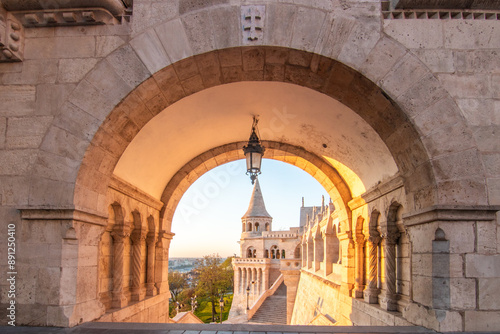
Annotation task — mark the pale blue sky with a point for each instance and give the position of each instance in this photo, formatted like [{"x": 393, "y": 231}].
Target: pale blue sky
[{"x": 208, "y": 218}]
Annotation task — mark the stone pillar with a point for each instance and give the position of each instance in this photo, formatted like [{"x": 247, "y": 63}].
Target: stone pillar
[
  {"x": 237, "y": 283},
  {"x": 161, "y": 262},
  {"x": 310, "y": 253},
  {"x": 150, "y": 269},
  {"x": 359, "y": 282},
  {"x": 254, "y": 272},
  {"x": 328, "y": 256},
  {"x": 138, "y": 242},
  {"x": 119, "y": 236},
  {"x": 259, "y": 282},
  {"x": 265, "y": 280},
  {"x": 243, "y": 280},
  {"x": 372, "y": 292},
  {"x": 389, "y": 301},
  {"x": 291, "y": 280},
  {"x": 318, "y": 252},
  {"x": 304, "y": 254}
]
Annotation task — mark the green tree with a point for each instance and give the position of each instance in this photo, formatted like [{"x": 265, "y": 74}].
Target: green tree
[
  {"x": 214, "y": 280},
  {"x": 176, "y": 282}
]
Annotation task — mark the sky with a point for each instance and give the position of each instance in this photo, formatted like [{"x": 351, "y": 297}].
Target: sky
[{"x": 208, "y": 217}]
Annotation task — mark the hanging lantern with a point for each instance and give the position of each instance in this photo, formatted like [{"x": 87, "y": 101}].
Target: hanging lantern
[{"x": 253, "y": 152}]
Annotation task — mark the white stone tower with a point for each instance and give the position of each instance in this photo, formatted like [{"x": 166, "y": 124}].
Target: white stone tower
[{"x": 256, "y": 219}]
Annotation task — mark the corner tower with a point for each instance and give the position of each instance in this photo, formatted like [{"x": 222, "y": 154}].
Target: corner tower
[{"x": 256, "y": 219}]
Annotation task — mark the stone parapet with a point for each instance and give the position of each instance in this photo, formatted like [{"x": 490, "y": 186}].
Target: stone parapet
[{"x": 247, "y": 261}]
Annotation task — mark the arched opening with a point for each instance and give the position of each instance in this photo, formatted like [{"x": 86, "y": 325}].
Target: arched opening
[{"x": 297, "y": 252}]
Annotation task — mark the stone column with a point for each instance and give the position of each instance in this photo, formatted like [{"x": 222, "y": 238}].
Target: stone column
[
  {"x": 247, "y": 279},
  {"x": 318, "y": 252},
  {"x": 243, "y": 280},
  {"x": 259, "y": 282},
  {"x": 359, "y": 282},
  {"x": 150, "y": 269},
  {"x": 390, "y": 300},
  {"x": 138, "y": 242},
  {"x": 161, "y": 262},
  {"x": 119, "y": 236},
  {"x": 304, "y": 254},
  {"x": 254, "y": 272},
  {"x": 237, "y": 283},
  {"x": 328, "y": 252},
  {"x": 372, "y": 292},
  {"x": 265, "y": 280},
  {"x": 310, "y": 253}
]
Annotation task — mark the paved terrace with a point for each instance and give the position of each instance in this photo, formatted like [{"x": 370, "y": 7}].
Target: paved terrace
[{"x": 112, "y": 328}]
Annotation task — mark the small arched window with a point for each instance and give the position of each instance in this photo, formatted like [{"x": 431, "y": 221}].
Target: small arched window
[
  {"x": 249, "y": 227},
  {"x": 282, "y": 253},
  {"x": 257, "y": 227}
]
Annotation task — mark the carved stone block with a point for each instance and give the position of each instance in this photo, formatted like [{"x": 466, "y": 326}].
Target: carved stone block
[
  {"x": 252, "y": 22},
  {"x": 11, "y": 38}
]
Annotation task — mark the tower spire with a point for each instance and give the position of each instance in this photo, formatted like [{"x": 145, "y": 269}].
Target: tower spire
[{"x": 257, "y": 208}]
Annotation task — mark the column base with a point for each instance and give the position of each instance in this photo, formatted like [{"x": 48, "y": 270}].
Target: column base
[
  {"x": 138, "y": 294},
  {"x": 151, "y": 289},
  {"x": 389, "y": 302},
  {"x": 119, "y": 300},
  {"x": 358, "y": 292},
  {"x": 371, "y": 296}
]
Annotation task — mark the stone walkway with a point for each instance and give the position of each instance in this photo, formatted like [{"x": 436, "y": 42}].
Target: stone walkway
[{"x": 115, "y": 328}]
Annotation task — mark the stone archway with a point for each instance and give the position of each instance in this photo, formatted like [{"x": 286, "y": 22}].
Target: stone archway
[{"x": 325, "y": 75}]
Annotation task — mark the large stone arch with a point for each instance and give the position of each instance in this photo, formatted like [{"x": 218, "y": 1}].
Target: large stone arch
[{"x": 403, "y": 136}]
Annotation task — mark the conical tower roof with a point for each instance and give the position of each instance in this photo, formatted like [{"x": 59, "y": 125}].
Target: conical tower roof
[{"x": 257, "y": 208}]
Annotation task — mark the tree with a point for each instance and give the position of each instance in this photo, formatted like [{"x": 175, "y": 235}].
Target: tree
[
  {"x": 176, "y": 282},
  {"x": 213, "y": 280}
]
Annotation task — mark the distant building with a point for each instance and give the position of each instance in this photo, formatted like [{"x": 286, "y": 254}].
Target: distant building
[{"x": 267, "y": 257}]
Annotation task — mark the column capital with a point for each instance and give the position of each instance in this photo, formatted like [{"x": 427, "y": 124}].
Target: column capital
[
  {"x": 138, "y": 236},
  {"x": 391, "y": 238}
]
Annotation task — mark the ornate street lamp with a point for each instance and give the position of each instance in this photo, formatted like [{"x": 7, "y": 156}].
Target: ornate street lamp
[{"x": 253, "y": 152}]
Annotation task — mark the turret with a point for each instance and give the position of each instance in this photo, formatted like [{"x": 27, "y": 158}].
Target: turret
[{"x": 256, "y": 218}]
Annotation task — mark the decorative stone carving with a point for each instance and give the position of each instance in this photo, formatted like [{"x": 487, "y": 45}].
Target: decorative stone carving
[
  {"x": 11, "y": 38},
  {"x": 372, "y": 292},
  {"x": 390, "y": 300},
  {"x": 119, "y": 235},
  {"x": 441, "y": 14},
  {"x": 117, "y": 8},
  {"x": 138, "y": 238},
  {"x": 252, "y": 22},
  {"x": 62, "y": 17}
]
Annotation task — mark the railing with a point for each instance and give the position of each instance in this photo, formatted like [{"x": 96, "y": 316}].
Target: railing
[
  {"x": 279, "y": 234},
  {"x": 258, "y": 303},
  {"x": 251, "y": 260}
]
